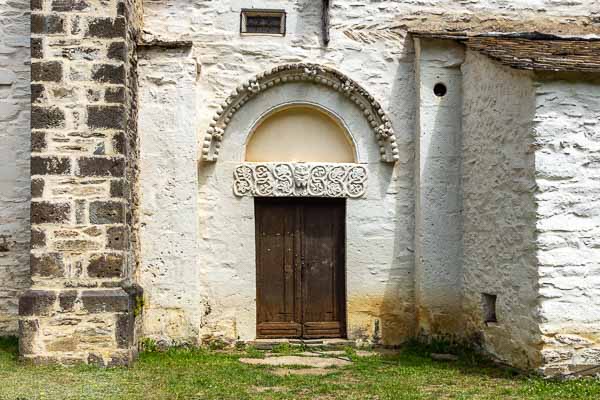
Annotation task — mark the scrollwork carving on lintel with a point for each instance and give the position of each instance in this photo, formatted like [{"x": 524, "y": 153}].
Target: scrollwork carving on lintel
[
  {"x": 300, "y": 180},
  {"x": 303, "y": 72}
]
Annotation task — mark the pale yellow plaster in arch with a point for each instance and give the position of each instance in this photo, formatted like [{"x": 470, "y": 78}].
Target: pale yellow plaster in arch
[{"x": 300, "y": 134}]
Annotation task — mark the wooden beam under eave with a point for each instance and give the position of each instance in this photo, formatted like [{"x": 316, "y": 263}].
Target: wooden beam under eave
[{"x": 325, "y": 21}]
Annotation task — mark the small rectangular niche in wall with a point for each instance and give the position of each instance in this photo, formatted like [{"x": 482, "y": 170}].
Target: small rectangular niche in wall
[
  {"x": 489, "y": 308},
  {"x": 262, "y": 22}
]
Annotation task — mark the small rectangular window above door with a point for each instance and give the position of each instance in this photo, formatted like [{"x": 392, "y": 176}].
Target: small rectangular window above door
[{"x": 262, "y": 22}]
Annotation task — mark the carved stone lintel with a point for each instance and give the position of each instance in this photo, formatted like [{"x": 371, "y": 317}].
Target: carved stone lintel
[
  {"x": 303, "y": 72},
  {"x": 300, "y": 180}
]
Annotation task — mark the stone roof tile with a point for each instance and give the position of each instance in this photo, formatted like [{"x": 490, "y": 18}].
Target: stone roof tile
[{"x": 532, "y": 51}]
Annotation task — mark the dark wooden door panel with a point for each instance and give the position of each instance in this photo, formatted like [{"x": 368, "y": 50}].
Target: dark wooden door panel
[
  {"x": 278, "y": 330},
  {"x": 300, "y": 268},
  {"x": 323, "y": 275},
  {"x": 276, "y": 274},
  {"x": 316, "y": 330}
]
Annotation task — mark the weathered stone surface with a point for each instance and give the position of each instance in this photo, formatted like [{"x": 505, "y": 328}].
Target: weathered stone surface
[
  {"x": 37, "y": 303},
  {"x": 37, "y": 187},
  {"x": 124, "y": 333},
  {"x": 43, "y": 212},
  {"x": 107, "y": 212},
  {"x": 118, "y": 143},
  {"x": 28, "y": 334},
  {"x": 313, "y": 362},
  {"x": 117, "y": 51},
  {"x": 303, "y": 371},
  {"x": 48, "y": 265},
  {"x": 107, "y": 27},
  {"x": 36, "y": 5},
  {"x": 38, "y": 92},
  {"x": 120, "y": 360},
  {"x": 38, "y": 141},
  {"x": 116, "y": 238},
  {"x": 50, "y": 165},
  {"x": 37, "y": 50},
  {"x": 96, "y": 360},
  {"x": 67, "y": 300},
  {"x": 79, "y": 53},
  {"x": 102, "y": 301},
  {"x": 108, "y": 73},
  {"x": 116, "y": 188},
  {"x": 114, "y": 95},
  {"x": 105, "y": 266},
  {"x": 109, "y": 117},
  {"x": 67, "y": 344},
  {"x": 76, "y": 245},
  {"x": 50, "y": 71},
  {"x": 38, "y": 238},
  {"x": 47, "y": 24},
  {"x": 69, "y": 5},
  {"x": 47, "y": 117},
  {"x": 101, "y": 166}
]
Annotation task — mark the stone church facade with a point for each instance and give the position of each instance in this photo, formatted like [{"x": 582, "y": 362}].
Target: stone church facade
[{"x": 236, "y": 170}]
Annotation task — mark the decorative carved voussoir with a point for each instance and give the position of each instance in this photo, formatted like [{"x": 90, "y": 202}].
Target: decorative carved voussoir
[
  {"x": 300, "y": 180},
  {"x": 303, "y": 72}
]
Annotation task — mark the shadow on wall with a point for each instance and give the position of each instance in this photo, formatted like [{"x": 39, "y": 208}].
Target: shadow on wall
[{"x": 394, "y": 318}]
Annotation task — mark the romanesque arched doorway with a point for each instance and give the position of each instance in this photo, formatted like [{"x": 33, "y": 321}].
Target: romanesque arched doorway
[
  {"x": 300, "y": 241},
  {"x": 303, "y": 246}
]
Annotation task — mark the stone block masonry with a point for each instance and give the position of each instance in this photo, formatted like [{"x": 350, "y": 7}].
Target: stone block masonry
[{"x": 81, "y": 304}]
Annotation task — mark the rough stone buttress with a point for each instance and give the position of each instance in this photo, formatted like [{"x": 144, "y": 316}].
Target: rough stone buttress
[{"x": 81, "y": 304}]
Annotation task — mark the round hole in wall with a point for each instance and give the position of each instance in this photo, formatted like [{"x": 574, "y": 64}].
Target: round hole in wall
[{"x": 440, "y": 90}]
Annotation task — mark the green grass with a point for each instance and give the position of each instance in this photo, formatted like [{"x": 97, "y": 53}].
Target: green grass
[{"x": 209, "y": 374}]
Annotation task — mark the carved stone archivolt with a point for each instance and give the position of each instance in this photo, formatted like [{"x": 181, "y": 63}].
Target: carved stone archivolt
[
  {"x": 373, "y": 112},
  {"x": 300, "y": 180}
]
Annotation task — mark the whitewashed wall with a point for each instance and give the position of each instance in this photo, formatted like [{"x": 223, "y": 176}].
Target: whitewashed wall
[
  {"x": 381, "y": 59},
  {"x": 499, "y": 208},
  {"x": 380, "y": 280},
  {"x": 14, "y": 158},
  {"x": 169, "y": 270},
  {"x": 567, "y": 160},
  {"x": 438, "y": 228}
]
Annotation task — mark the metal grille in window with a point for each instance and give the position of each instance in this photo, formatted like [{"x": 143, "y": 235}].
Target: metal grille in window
[{"x": 270, "y": 22}]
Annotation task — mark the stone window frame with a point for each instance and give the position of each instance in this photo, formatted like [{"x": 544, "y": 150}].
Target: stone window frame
[{"x": 245, "y": 12}]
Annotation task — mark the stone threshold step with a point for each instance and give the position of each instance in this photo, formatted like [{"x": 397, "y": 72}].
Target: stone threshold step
[{"x": 269, "y": 344}]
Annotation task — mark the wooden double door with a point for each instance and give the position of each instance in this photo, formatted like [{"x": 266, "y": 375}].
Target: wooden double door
[{"x": 300, "y": 259}]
